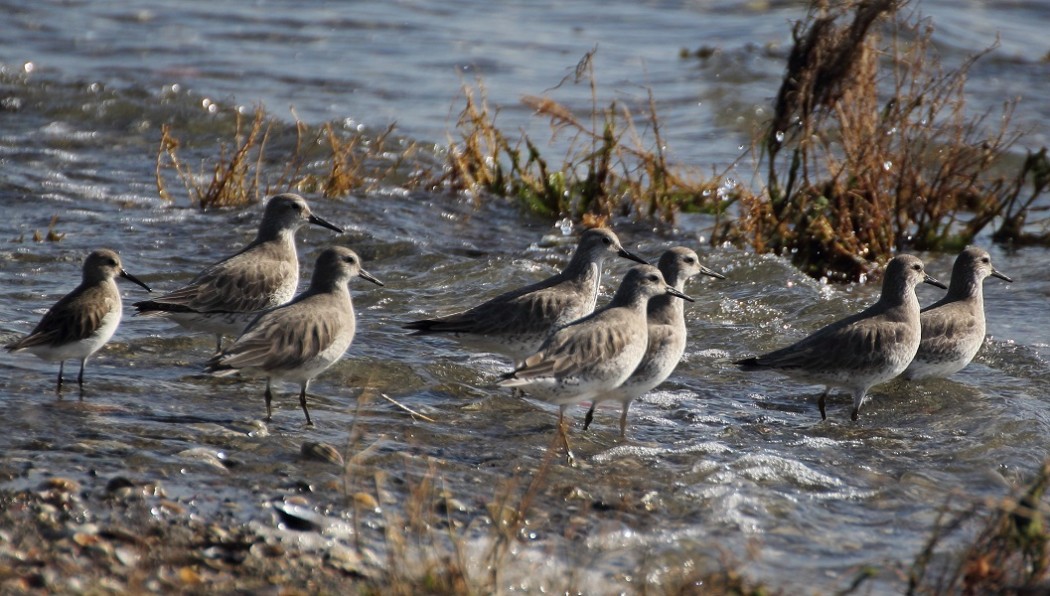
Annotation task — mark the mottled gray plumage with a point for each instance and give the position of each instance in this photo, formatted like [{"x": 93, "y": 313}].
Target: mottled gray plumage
[
  {"x": 84, "y": 319},
  {"x": 587, "y": 358},
  {"x": 863, "y": 350},
  {"x": 228, "y": 295},
  {"x": 667, "y": 334},
  {"x": 517, "y": 322},
  {"x": 300, "y": 340},
  {"x": 953, "y": 328}
]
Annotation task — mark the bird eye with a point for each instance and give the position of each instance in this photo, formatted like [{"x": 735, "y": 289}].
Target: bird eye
[
  {"x": 690, "y": 260},
  {"x": 607, "y": 240},
  {"x": 986, "y": 260},
  {"x": 917, "y": 267},
  {"x": 111, "y": 262}
]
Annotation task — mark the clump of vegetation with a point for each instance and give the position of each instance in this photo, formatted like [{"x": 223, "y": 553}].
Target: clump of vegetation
[
  {"x": 433, "y": 541},
  {"x": 324, "y": 160},
  {"x": 1008, "y": 555},
  {"x": 615, "y": 163},
  {"x": 865, "y": 156},
  {"x": 870, "y": 151},
  {"x": 52, "y": 235}
]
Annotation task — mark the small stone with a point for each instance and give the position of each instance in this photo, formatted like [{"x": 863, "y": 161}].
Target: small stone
[
  {"x": 188, "y": 575},
  {"x": 262, "y": 550},
  {"x": 64, "y": 485},
  {"x": 321, "y": 452},
  {"x": 84, "y": 539},
  {"x": 343, "y": 559},
  {"x": 502, "y": 515},
  {"x": 366, "y": 501},
  {"x": 171, "y": 507},
  {"x": 298, "y": 517},
  {"x": 204, "y": 456},
  {"x": 127, "y": 556},
  {"x": 118, "y": 482},
  {"x": 449, "y": 504}
]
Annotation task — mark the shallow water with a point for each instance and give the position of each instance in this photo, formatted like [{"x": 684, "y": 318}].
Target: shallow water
[{"x": 718, "y": 459}]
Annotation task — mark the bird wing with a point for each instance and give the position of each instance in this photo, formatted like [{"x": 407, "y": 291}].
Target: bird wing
[
  {"x": 283, "y": 338},
  {"x": 504, "y": 314},
  {"x": 77, "y": 316},
  {"x": 237, "y": 284},
  {"x": 856, "y": 344},
  {"x": 942, "y": 327},
  {"x": 575, "y": 346}
]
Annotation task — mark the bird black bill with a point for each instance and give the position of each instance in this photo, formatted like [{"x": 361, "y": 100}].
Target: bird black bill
[
  {"x": 324, "y": 224},
  {"x": 134, "y": 280},
  {"x": 929, "y": 279},
  {"x": 366, "y": 275},
  {"x": 678, "y": 294},
  {"x": 623, "y": 252},
  {"x": 711, "y": 272},
  {"x": 1001, "y": 276}
]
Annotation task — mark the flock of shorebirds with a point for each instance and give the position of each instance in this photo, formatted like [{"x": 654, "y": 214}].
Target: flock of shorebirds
[{"x": 564, "y": 351}]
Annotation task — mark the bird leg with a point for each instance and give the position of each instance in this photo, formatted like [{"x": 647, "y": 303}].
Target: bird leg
[
  {"x": 589, "y": 417},
  {"x": 58, "y": 386},
  {"x": 269, "y": 398},
  {"x": 858, "y": 401},
  {"x": 302, "y": 402},
  {"x": 623, "y": 420},
  {"x": 570, "y": 459},
  {"x": 218, "y": 343},
  {"x": 820, "y": 403}
]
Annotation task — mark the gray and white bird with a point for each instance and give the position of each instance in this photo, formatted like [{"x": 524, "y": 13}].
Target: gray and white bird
[
  {"x": 517, "y": 322},
  {"x": 863, "y": 350},
  {"x": 588, "y": 358},
  {"x": 84, "y": 319},
  {"x": 301, "y": 339},
  {"x": 228, "y": 295},
  {"x": 667, "y": 334},
  {"x": 953, "y": 327}
]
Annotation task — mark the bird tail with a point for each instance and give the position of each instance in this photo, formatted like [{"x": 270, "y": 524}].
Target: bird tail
[
  {"x": 153, "y": 308},
  {"x": 509, "y": 379},
  {"x": 432, "y": 326},
  {"x": 217, "y": 367},
  {"x": 749, "y": 364},
  {"x": 422, "y": 327}
]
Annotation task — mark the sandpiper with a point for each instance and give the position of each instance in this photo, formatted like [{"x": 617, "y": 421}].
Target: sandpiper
[
  {"x": 667, "y": 334},
  {"x": 953, "y": 327},
  {"x": 517, "y": 322},
  {"x": 84, "y": 319},
  {"x": 228, "y": 295},
  {"x": 585, "y": 359},
  {"x": 863, "y": 350},
  {"x": 300, "y": 340}
]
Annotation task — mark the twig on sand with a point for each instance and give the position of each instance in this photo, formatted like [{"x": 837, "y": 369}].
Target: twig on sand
[{"x": 405, "y": 408}]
